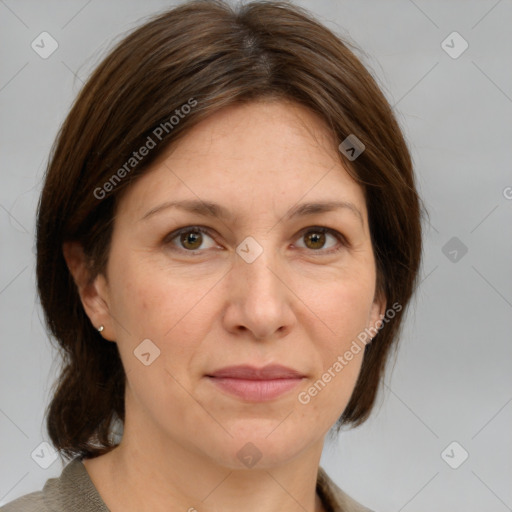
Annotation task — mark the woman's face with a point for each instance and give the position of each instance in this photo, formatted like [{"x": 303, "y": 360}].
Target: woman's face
[{"x": 263, "y": 284}]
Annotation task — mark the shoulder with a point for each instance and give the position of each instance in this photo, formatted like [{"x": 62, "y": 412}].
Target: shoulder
[
  {"x": 33, "y": 502},
  {"x": 72, "y": 490},
  {"x": 334, "y": 498}
]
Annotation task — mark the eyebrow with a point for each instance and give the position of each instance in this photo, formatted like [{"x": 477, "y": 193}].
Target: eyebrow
[{"x": 210, "y": 209}]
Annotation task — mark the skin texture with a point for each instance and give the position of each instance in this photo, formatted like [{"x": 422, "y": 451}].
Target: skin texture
[{"x": 296, "y": 304}]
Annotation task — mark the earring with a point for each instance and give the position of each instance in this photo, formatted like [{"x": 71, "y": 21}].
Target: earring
[{"x": 100, "y": 328}]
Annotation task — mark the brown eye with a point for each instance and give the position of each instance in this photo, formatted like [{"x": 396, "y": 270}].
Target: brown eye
[
  {"x": 191, "y": 239},
  {"x": 316, "y": 239}
]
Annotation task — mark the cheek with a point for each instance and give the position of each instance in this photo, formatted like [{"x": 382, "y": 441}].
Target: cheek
[
  {"x": 342, "y": 308},
  {"x": 168, "y": 310},
  {"x": 342, "y": 313},
  {"x": 152, "y": 301},
  {"x": 174, "y": 310}
]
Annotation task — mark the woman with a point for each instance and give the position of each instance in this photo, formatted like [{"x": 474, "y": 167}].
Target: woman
[{"x": 227, "y": 240}]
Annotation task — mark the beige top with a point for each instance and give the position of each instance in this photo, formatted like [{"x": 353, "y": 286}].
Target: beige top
[{"x": 74, "y": 491}]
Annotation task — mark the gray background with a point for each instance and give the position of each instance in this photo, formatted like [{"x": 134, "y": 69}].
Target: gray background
[{"x": 452, "y": 378}]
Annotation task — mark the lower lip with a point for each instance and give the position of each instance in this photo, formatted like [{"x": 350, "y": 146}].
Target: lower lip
[{"x": 255, "y": 390}]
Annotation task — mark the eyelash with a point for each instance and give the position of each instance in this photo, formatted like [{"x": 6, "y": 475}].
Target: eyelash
[{"x": 316, "y": 229}]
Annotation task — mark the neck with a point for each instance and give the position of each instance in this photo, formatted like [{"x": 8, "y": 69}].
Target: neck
[{"x": 179, "y": 478}]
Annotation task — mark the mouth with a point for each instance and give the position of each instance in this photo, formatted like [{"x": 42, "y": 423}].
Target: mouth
[{"x": 256, "y": 384}]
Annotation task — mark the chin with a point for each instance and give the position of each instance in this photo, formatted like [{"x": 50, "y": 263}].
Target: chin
[{"x": 261, "y": 448}]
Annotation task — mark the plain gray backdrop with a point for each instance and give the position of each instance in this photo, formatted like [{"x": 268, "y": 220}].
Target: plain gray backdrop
[{"x": 449, "y": 394}]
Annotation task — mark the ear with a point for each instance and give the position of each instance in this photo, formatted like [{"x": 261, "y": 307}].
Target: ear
[
  {"x": 93, "y": 292},
  {"x": 377, "y": 313}
]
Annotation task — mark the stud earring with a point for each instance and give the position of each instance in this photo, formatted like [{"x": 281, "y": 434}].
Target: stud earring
[{"x": 100, "y": 328}]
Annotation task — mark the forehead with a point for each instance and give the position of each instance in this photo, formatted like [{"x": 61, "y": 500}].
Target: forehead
[{"x": 255, "y": 158}]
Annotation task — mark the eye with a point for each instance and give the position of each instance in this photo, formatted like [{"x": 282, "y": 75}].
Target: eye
[
  {"x": 189, "y": 239},
  {"x": 315, "y": 239}
]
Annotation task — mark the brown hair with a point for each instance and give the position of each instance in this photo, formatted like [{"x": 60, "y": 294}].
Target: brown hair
[{"x": 209, "y": 53}]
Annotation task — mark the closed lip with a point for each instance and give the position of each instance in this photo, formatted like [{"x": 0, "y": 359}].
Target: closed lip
[{"x": 248, "y": 372}]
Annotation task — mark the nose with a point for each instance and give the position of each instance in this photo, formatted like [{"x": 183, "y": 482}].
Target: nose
[{"x": 259, "y": 301}]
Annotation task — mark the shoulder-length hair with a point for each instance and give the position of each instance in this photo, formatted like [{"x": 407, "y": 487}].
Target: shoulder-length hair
[{"x": 206, "y": 55}]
